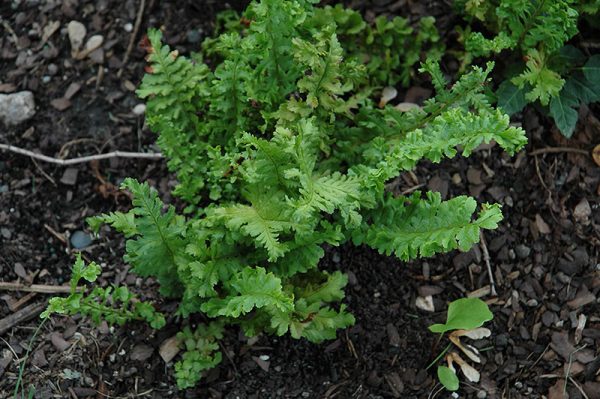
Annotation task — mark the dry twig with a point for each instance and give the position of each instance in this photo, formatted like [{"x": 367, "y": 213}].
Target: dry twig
[
  {"x": 555, "y": 150},
  {"x": 40, "y": 288},
  {"x": 72, "y": 161},
  {"x": 136, "y": 28},
  {"x": 486, "y": 259},
  {"x": 24, "y": 314}
]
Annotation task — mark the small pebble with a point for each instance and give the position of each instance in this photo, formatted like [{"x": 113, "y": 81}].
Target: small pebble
[
  {"x": 128, "y": 27},
  {"x": 481, "y": 395},
  {"x": 139, "y": 109},
  {"x": 264, "y": 357},
  {"x": 80, "y": 239},
  {"x": 193, "y": 36},
  {"x": 523, "y": 251},
  {"x": 52, "y": 69},
  {"x": 335, "y": 257}
]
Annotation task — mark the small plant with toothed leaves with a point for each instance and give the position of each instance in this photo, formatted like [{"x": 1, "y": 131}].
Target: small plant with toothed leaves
[
  {"x": 465, "y": 318},
  {"x": 541, "y": 67},
  {"x": 280, "y": 148}
]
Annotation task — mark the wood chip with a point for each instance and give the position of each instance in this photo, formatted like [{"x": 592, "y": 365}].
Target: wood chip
[
  {"x": 541, "y": 225},
  {"x": 425, "y": 303},
  {"x": 59, "y": 342},
  {"x": 583, "y": 297},
  {"x": 395, "y": 383},
  {"x": 72, "y": 90},
  {"x": 263, "y": 364},
  {"x": 596, "y": 154},
  {"x": 141, "y": 352},
  {"x": 24, "y": 314},
  {"x": 60, "y": 104},
  {"x": 393, "y": 335},
  {"x": 169, "y": 348}
]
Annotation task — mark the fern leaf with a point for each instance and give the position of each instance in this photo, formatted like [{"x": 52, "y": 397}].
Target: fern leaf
[
  {"x": 250, "y": 289},
  {"x": 411, "y": 227},
  {"x": 122, "y": 222},
  {"x": 156, "y": 250},
  {"x": 263, "y": 225}
]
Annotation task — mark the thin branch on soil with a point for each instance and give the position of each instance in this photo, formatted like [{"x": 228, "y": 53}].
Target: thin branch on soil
[
  {"x": 50, "y": 179},
  {"x": 555, "y": 150},
  {"x": 539, "y": 175},
  {"x": 24, "y": 314},
  {"x": 581, "y": 391},
  {"x": 39, "y": 288},
  {"x": 136, "y": 28},
  {"x": 486, "y": 259},
  {"x": 72, "y": 161},
  {"x": 59, "y": 237}
]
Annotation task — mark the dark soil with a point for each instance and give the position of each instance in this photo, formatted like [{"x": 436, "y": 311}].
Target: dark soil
[{"x": 545, "y": 255}]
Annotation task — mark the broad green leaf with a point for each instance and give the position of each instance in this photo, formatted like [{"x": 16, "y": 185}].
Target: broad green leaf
[
  {"x": 448, "y": 378},
  {"x": 591, "y": 69},
  {"x": 571, "y": 55},
  {"x": 563, "y": 113},
  {"x": 578, "y": 86},
  {"x": 464, "y": 314},
  {"x": 510, "y": 97}
]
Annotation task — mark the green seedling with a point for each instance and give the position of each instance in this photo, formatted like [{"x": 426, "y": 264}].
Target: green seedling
[{"x": 465, "y": 318}]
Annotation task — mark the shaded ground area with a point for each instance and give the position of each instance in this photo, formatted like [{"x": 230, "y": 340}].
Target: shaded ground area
[{"x": 545, "y": 255}]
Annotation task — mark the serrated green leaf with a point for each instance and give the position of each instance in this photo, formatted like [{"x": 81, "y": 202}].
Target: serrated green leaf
[
  {"x": 464, "y": 314},
  {"x": 251, "y": 288}
]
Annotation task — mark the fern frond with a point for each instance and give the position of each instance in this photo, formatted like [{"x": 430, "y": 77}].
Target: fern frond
[
  {"x": 155, "y": 251},
  {"x": 251, "y": 288},
  {"x": 412, "y": 226}
]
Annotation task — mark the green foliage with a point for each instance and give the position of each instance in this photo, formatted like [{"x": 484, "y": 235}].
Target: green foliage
[
  {"x": 389, "y": 48},
  {"x": 201, "y": 352},
  {"x": 448, "y": 378},
  {"x": 116, "y": 305},
  {"x": 281, "y": 148},
  {"x": 464, "y": 314},
  {"x": 541, "y": 66},
  {"x": 412, "y": 227}
]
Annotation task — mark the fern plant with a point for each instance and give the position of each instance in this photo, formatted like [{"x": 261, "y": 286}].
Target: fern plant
[
  {"x": 280, "y": 149},
  {"x": 542, "y": 67}
]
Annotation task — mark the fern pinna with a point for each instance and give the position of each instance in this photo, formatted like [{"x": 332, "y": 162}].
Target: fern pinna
[{"x": 279, "y": 150}]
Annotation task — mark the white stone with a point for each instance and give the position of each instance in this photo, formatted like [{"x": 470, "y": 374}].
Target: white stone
[
  {"x": 139, "y": 109},
  {"x": 16, "y": 107},
  {"x": 77, "y": 32}
]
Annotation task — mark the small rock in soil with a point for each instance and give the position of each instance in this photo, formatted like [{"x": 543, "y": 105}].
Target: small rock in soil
[
  {"x": 541, "y": 225},
  {"x": 76, "y": 31},
  {"x": 69, "y": 176},
  {"x": 80, "y": 239},
  {"x": 139, "y": 109},
  {"x": 72, "y": 90},
  {"x": 584, "y": 297},
  {"x": 60, "y": 104},
  {"x": 5, "y": 360},
  {"x": 169, "y": 349},
  {"x": 522, "y": 251},
  {"x": 393, "y": 335},
  {"x": 17, "y": 107},
  {"x": 5, "y": 233},
  {"x": 141, "y": 352},
  {"x": 59, "y": 342},
  {"x": 194, "y": 36},
  {"x": 582, "y": 211}
]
